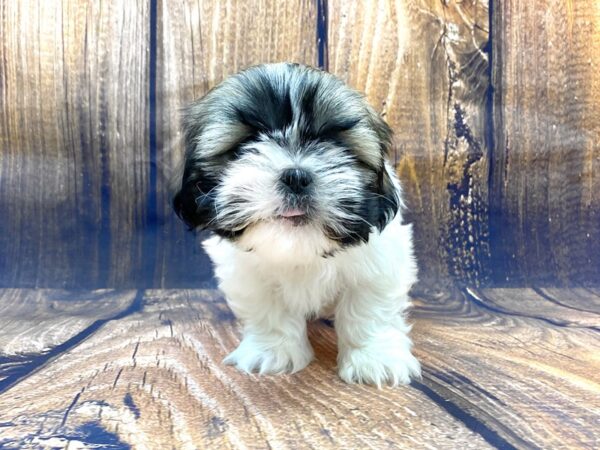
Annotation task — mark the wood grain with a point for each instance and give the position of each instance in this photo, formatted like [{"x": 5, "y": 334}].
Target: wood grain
[
  {"x": 576, "y": 308},
  {"x": 35, "y": 320},
  {"x": 73, "y": 142},
  {"x": 37, "y": 326},
  {"x": 501, "y": 177},
  {"x": 423, "y": 65},
  {"x": 528, "y": 375},
  {"x": 545, "y": 182},
  {"x": 90, "y": 130},
  {"x": 199, "y": 44},
  {"x": 154, "y": 379}
]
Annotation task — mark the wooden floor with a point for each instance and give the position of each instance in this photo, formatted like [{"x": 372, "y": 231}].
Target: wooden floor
[{"x": 503, "y": 368}]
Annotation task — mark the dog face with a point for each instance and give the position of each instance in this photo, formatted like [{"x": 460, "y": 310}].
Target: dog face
[{"x": 285, "y": 153}]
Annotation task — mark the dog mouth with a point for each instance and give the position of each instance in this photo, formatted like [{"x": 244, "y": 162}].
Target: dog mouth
[{"x": 294, "y": 216}]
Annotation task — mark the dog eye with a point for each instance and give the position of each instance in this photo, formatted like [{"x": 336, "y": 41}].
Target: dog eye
[
  {"x": 333, "y": 128},
  {"x": 240, "y": 150}
]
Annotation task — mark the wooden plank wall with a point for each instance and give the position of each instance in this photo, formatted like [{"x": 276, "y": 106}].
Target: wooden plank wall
[
  {"x": 497, "y": 138},
  {"x": 90, "y": 130},
  {"x": 424, "y": 67},
  {"x": 199, "y": 44},
  {"x": 545, "y": 186},
  {"x": 73, "y": 142}
]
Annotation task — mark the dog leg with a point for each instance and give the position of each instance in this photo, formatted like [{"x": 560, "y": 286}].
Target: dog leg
[
  {"x": 275, "y": 341},
  {"x": 373, "y": 342}
]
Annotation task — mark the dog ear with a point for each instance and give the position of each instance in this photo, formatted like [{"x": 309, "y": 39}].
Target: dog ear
[
  {"x": 388, "y": 197},
  {"x": 211, "y": 131},
  {"x": 194, "y": 202},
  {"x": 387, "y": 189}
]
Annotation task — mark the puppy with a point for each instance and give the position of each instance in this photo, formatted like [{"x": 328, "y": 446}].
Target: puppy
[{"x": 287, "y": 166}]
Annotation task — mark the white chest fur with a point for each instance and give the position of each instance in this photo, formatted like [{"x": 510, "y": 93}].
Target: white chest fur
[{"x": 275, "y": 280}]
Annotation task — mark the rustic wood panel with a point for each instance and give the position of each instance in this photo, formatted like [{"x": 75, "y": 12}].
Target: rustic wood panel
[
  {"x": 528, "y": 374},
  {"x": 493, "y": 377},
  {"x": 423, "y": 65},
  {"x": 199, "y": 44},
  {"x": 575, "y": 308},
  {"x": 73, "y": 142},
  {"x": 36, "y": 320},
  {"x": 545, "y": 182},
  {"x": 157, "y": 377},
  {"x": 37, "y": 325}
]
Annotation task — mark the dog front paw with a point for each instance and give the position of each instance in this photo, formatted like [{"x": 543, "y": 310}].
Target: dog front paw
[
  {"x": 267, "y": 355},
  {"x": 378, "y": 365}
]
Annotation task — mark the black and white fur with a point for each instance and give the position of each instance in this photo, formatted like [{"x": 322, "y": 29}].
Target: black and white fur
[{"x": 287, "y": 166}]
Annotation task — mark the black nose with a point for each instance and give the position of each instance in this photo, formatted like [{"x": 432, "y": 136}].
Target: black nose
[{"x": 296, "y": 180}]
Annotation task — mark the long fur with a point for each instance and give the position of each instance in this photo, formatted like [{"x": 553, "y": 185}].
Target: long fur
[{"x": 287, "y": 166}]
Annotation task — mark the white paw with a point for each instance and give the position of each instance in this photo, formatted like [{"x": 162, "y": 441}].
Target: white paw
[
  {"x": 267, "y": 355},
  {"x": 378, "y": 365}
]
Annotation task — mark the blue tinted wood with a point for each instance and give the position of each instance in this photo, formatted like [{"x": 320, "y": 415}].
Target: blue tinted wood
[{"x": 505, "y": 376}]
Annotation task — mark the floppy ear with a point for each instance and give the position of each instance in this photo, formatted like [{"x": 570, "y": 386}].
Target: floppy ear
[
  {"x": 387, "y": 190},
  {"x": 388, "y": 196},
  {"x": 211, "y": 130},
  {"x": 194, "y": 202}
]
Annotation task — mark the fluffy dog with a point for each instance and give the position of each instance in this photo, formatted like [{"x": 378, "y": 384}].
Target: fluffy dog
[{"x": 287, "y": 166}]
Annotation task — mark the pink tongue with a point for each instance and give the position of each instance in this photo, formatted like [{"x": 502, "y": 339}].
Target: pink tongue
[{"x": 293, "y": 213}]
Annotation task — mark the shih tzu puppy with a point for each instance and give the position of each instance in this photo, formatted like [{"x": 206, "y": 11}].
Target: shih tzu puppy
[{"x": 287, "y": 166}]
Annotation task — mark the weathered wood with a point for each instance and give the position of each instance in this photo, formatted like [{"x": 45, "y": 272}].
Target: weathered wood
[
  {"x": 564, "y": 307},
  {"x": 73, "y": 142},
  {"x": 545, "y": 182},
  {"x": 89, "y": 130},
  {"x": 424, "y": 66},
  {"x": 157, "y": 377},
  {"x": 154, "y": 379},
  {"x": 35, "y": 320},
  {"x": 38, "y": 325},
  {"x": 526, "y": 373},
  {"x": 200, "y": 44}
]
